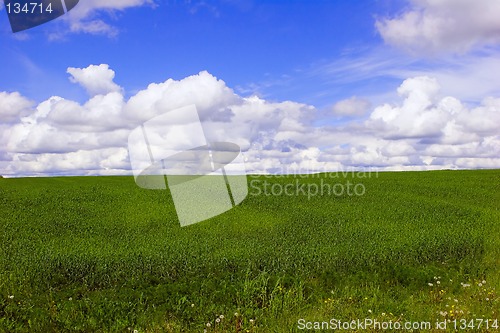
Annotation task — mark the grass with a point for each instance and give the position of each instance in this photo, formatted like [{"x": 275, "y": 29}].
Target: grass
[{"x": 99, "y": 254}]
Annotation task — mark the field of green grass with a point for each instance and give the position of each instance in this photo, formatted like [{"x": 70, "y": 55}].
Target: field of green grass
[{"x": 99, "y": 254}]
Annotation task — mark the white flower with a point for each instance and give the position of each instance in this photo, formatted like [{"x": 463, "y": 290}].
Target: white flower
[
  {"x": 136, "y": 331},
  {"x": 484, "y": 282},
  {"x": 455, "y": 300},
  {"x": 208, "y": 324},
  {"x": 480, "y": 284},
  {"x": 370, "y": 311},
  {"x": 430, "y": 284},
  {"x": 11, "y": 296},
  {"x": 465, "y": 285},
  {"x": 438, "y": 282},
  {"x": 383, "y": 314},
  {"x": 252, "y": 321},
  {"x": 192, "y": 305},
  {"x": 487, "y": 299},
  {"x": 221, "y": 316},
  {"x": 236, "y": 314},
  {"x": 70, "y": 299},
  {"x": 217, "y": 320},
  {"x": 443, "y": 313}
]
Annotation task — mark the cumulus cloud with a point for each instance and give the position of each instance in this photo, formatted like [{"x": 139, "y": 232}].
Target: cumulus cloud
[
  {"x": 97, "y": 80},
  {"x": 431, "y": 118},
  {"x": 435, "y": 26},
  {"x": 211, "y": 96},
  {"x": 13, "y": 106},
  {"x": 424, "y": 130}
]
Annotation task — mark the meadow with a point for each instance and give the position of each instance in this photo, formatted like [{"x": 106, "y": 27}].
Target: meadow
[{"x": 99, "y": 254}]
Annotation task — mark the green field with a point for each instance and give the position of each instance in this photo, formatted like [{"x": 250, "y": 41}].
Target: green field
[{"x": 99, "y": 254}]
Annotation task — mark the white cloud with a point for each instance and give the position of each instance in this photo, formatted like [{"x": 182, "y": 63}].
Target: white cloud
[
  {"x": 13, "y": 106},
  {"x": 84, "y": 18},
  {"x": 417, "y": 116},
  {"x": 436, "y": 26},
  {"x": 96, "y": 80},
  {"x": 427, "y": 116},
  {"x": 353, "y": 106},
  {"x": 210, "y": 95},
  {"x": 425, "y": 129}
]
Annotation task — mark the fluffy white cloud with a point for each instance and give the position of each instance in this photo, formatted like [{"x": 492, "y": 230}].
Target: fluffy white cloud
[
  {"x": 443, "y": 26},
  {"x": 431, "y": 118},
  {"x": 425, "y": 130},
  {"x": 211, "y": 96},
  {"x": 416, "y": 117},
  {"x": 97, "y": 80},
  {"x": 13, "y": 106}
]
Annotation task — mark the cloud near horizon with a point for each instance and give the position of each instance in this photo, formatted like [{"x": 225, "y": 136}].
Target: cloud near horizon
[{"x": 423, "y": 131}]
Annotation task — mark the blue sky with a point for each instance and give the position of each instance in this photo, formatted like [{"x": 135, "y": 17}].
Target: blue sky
[
  {"x": 246, "y": 44},
  {"x": 308, "y": 85}
]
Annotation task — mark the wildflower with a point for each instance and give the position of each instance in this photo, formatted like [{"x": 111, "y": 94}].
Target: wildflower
[
  {"x": 192, "y": 305},
  {"x": 217, "y": 320},
  {"x": 236, "y": 314},
  {"x": 438, "y": 282},
  {"x": 252, "y": 321},
  {"x": 11, "y": 296},
  {"x": 370, "y": 311},
  {"x": 136, "y": 331},
  {"x": 208, "y": 324},
  {"x": 487, "y": 299},
  {"x": 465, "y": 285},
  {"x": 484, "y": 282},
  {"x": 455, "y": 300},
  {"x": 443, "y": 313},
  {"x": 221, "y": 316},
  {"x": 480, "y": 284},
  {"x": 383, "y": 314},
  {"x": 430, "y": 284},
  {"x": 70, "y": 299}
]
